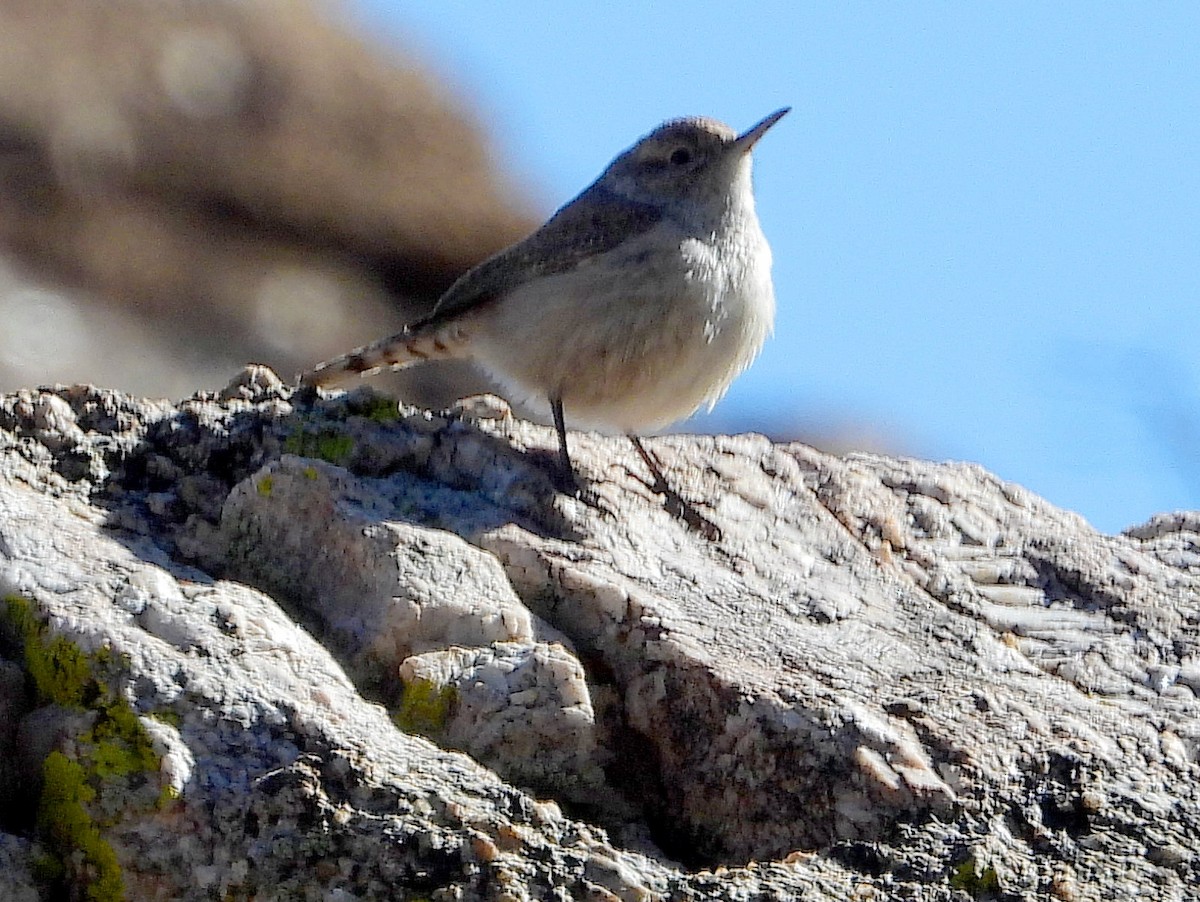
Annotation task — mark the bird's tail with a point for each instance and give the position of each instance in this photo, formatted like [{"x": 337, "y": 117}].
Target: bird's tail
[{"x": 413, "y": 345}]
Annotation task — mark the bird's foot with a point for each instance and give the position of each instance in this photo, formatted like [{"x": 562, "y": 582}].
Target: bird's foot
[
  {"x": 566, "y": 482},
  {"x": 682, "y": 509},
  {"x": 674, "y": 503}
]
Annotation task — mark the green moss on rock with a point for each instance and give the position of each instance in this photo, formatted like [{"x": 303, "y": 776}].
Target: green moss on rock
[
  {"x": 65, "y": 821},
  {"x": 378, "y": 408},
  {"x": 326, "y": 444},
  {"x": 61, "y": 672},
  {"x": 425, "y": 707},
  {"x": 970, "y": 877},
  {"x": 105, "y": 777}
]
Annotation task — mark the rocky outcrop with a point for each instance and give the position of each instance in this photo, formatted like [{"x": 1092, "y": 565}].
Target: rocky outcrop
[{"x": 266, "y": 645}]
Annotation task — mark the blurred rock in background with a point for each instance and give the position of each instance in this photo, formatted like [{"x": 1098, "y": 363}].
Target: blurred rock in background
[{"x": 187, "y": 187}]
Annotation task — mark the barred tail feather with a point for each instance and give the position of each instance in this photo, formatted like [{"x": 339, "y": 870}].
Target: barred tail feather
[{"x": 396, "y": 351}]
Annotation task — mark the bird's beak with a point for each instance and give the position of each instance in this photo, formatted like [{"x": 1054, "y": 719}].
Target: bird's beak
[{"x": 744, "y": 142}]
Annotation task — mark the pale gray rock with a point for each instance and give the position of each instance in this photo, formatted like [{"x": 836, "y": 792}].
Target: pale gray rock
[
  {"x": 269, "y": 755},
  {"x": 523, "y": 709},
  {"x": 382, "y": 588},
  {"x": 16, "y": 878},
  {"x": 889, "y": 679}
]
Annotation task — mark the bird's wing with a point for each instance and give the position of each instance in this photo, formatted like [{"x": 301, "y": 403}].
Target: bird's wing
[{"x": 596, "y": 221}]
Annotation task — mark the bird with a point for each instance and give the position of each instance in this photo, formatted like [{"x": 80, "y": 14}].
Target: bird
[{"x": 633, "y": 306}]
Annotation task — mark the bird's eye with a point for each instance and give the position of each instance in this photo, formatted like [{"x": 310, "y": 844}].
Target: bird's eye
[{"x": 681, "y": 156}]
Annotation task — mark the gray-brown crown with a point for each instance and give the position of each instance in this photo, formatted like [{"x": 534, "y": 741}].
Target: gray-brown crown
[{"x": 682, "y": 157}]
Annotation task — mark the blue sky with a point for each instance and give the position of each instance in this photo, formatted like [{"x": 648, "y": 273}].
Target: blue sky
[{"x": 985, "y": 216}]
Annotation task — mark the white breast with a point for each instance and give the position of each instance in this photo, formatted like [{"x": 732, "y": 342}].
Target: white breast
[{"x": 640, "y": 337}]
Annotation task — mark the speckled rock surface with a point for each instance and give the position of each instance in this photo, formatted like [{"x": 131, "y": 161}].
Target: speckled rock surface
[
  {"x": 16, "y": 878},
  {"x": 888, "y": 679}
]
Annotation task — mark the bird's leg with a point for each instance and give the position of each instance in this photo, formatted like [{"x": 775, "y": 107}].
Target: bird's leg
[
  {"x": 676, "y": 504},
  {"x": 568, "y": 482},
  {"x": 660, "y": 482}
]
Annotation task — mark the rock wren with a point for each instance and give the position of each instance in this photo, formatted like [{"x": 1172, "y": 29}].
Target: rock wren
[{"x": 634, "y": 305}]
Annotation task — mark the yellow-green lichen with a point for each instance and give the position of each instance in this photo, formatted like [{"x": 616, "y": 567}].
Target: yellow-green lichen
[
  {"x": 47, "y": 869},
  {"x": 170, "y": 718},
  {"x": 103, "y": 779},
  {"x": 265, "y": 486},
  {"x": 382, "y": 410},
  {"x": 327, "y": 445},
  {"x": 168, "y": 795},
  {"x": 970, "y": 878},
  {"x": 60, "y": 670},
  {"x": 120, "y": 744},
  {"x": 66, "y": 823},
  {"x": 425, "y": 707}
]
